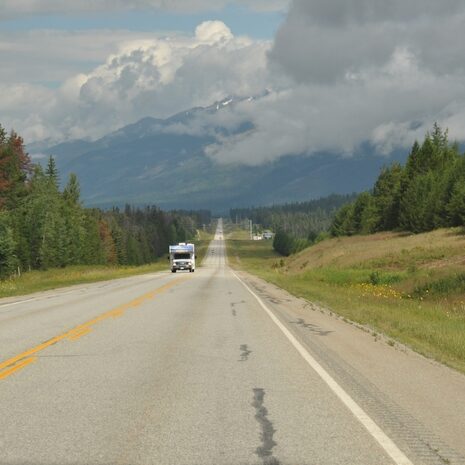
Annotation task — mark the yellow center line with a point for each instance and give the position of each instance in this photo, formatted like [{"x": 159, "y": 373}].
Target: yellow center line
[
  {"x": 78, "y": 334},
  {"x": 17, "y": 367},
  {"x": 14, "y": 364}
]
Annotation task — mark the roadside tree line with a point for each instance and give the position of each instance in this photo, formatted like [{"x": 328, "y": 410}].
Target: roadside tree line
[
  {"x": 43, "y": 226},
  {"x": 297, "y": 225},
  {"x": 425, "y": 194}
]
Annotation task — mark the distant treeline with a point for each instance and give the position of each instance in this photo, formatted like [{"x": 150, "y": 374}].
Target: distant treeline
[
  {"x": 297, "y": 225},
  {"x": 425, "y": 194},
  {"x": 42, "y": 226},
  {"x": 300, "y": 219}
]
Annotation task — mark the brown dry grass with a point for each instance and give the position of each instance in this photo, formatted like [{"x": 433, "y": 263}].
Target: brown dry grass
[{"x": 387, "y": 250}]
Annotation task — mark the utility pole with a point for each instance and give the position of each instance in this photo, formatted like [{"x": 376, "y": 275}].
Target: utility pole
[{"x": 251, "y": 230}]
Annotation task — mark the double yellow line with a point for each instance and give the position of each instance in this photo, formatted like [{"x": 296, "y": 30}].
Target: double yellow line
[{"x": 12, "y": 365}]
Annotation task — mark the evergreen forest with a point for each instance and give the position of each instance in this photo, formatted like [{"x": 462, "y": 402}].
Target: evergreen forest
[
  {"x": 43, "y": 226},
  {"x": 426, "y": 194},
  {"x": 297, "y": 225}
]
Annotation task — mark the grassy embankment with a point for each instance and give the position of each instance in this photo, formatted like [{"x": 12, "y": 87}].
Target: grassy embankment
[
  {"x": 35, "y": 281},
  {"x": 409, "y": 287}
]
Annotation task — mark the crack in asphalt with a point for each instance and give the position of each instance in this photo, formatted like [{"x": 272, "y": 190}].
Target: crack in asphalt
[
  {"x": 245, "y": 352},
  {"x": 265, "y": 451}
]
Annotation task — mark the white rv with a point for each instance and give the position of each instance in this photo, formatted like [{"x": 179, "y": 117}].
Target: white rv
[{"x": 182, "y": 257}]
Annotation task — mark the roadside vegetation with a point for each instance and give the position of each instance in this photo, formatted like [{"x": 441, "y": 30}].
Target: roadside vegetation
[
  {"x": 408, "y": 287},
  {"x": 44, "y": 280},
  {"x": 47, "y": 235},
  {"x": 426, "y": 194},
  {"x": 297, "y": 225},
  {"x": 54, "y": 278}
]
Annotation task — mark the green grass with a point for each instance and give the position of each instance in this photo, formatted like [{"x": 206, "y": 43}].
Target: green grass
[
  {"x": 445, "y": 286},
  {"x": 44, "y": 280},
  {"x": 35, "y": 281},
  {"x": 381, "y": 297}
]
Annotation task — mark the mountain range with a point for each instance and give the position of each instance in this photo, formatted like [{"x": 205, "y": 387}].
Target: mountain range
[{"x": 144, "y": 163}]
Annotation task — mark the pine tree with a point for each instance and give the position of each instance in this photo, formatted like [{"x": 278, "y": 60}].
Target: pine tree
[
  {"x": 343, "y": 224},
  {"x": 8, "y": 258},
  {"x": 455, "y": 207},
  {"x": 52, "y": 172},
  {"x": 72, "y": 191},
  {"x": 387, "y": 193},
  {"x": 412, "y": 167},
  {"x": 416, "y": 213},
  {"x": 93, "y": 252},
  {"x": 364, "y": 216}
]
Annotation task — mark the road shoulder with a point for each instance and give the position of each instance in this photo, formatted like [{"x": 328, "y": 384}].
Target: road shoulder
[{"x": 402, "y": 389}]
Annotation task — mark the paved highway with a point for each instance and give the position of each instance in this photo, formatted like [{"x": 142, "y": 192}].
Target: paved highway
[{"x": 213, "y": 368}]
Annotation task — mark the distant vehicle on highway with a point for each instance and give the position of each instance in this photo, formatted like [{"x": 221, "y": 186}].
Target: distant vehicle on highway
[{"x": 182, "y": 257}]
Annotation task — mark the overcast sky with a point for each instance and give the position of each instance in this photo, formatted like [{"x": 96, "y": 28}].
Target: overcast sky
[{"x": 341, "y": 73}]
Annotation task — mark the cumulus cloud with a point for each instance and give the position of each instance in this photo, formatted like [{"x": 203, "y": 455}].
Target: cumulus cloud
[
  {"x": 162, "y": 77},
  {"x": 14, "y": 8},
  {"x": 156, "y": 76}
]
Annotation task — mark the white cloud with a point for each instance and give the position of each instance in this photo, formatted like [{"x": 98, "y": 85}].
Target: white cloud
[
  {"x": 343, "y": 73},
  {"x": 162, "y": 77},
  {"x": 150, "y": 76}
]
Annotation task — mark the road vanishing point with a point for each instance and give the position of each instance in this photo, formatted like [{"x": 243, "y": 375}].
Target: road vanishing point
[{"x": 215, "y": 367}]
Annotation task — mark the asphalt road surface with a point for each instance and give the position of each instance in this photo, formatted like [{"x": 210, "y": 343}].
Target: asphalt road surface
[{"x": 213, "y": 368}]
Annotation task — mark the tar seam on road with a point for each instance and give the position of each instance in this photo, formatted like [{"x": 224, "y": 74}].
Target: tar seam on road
[
  {"x": 245, "y": 352},
  {"x": 375, "y": 431},
  {"x": 265, "y": 451},
  {"x": 14, "y": 364},
  {"x": 313, "y": 328},
  {"x": 233, "y": 306}
]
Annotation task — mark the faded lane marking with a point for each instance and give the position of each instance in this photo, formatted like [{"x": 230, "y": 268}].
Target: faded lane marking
[
  {"x": 375, "y": 431},
  {"x": 10, "y": 366}
]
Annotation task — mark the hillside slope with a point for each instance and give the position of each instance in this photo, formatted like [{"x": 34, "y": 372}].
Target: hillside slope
[{"x": 389, "y": 251}]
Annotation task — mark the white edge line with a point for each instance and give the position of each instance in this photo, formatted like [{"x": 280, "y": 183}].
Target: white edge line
[
  {"x": 376, "y": 432},
  {"x": 17, "y": 302}
]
